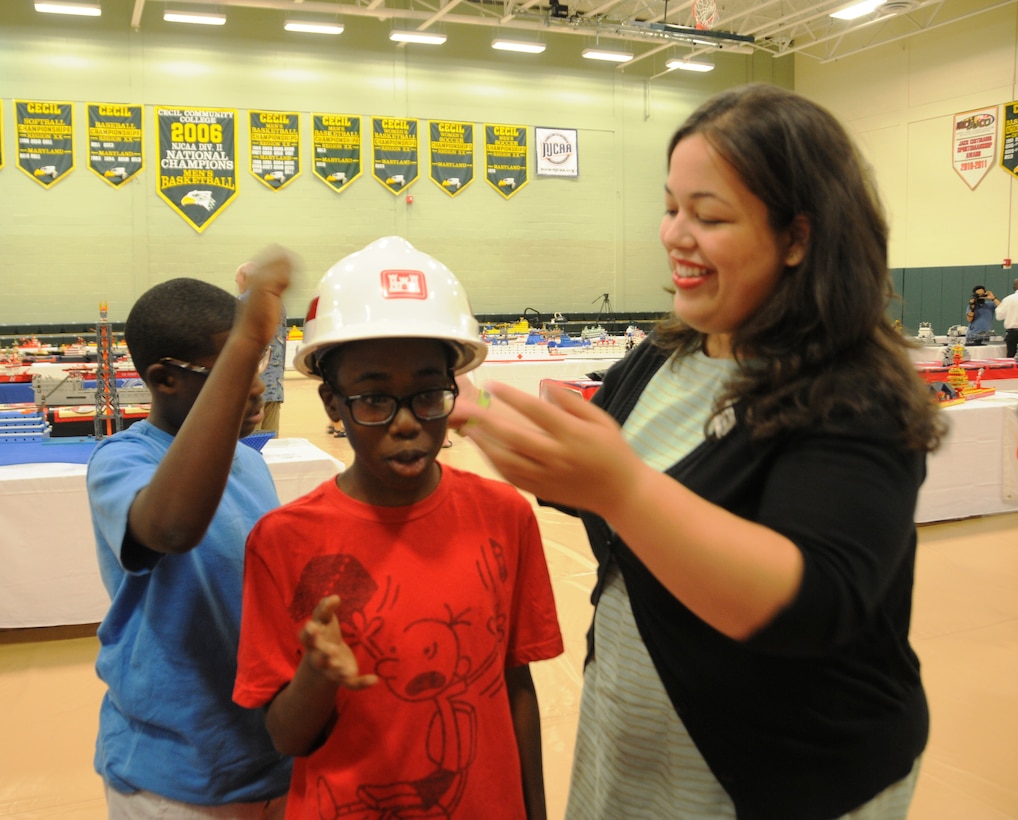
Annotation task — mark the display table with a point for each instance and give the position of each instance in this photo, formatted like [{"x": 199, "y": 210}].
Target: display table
[
  {"x": 927, "y": 353},
  {"x": 50, "y": 574},
  {"x": 1001, "y": 374},
  {"x": 528, "y": 374},
  {"x": 975, "y": 472}
]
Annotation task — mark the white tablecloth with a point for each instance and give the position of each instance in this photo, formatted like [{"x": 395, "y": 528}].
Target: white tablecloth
[
  {"x": 975, "y": 472},
  {"x": 49, "y": 573}
]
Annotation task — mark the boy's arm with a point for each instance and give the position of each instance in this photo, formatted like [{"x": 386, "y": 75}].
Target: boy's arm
[
  {"x": 172, "y": 513},
  {"x": 303, "y": 710},
  {"x": 527, "y": 724}
]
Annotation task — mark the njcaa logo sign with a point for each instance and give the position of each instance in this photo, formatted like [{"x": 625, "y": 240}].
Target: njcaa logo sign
[
  {"x": 556, "y": 152},
  {"x": 556, "y": 149}
]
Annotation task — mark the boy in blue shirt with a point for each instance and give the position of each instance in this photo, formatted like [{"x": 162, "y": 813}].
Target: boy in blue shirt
[{"x": 172, "y": 501}]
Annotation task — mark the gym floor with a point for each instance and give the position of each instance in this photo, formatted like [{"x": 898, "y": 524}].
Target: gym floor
[{"x": 965, "y": 630}]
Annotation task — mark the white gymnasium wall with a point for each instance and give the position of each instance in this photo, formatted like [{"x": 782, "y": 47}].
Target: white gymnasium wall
[
  {"x": 899, "y": 102},
  {"x": 556, "y": 245}
]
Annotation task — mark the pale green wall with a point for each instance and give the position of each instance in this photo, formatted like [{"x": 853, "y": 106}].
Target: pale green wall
[
  {"x": 556, "y": 245},
  {"x": 899, "y": 101}
]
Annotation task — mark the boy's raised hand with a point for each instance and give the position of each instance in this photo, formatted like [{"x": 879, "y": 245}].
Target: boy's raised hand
[
  {"x": 327, "y": 652},
  {"x": 269, "y": 274}
]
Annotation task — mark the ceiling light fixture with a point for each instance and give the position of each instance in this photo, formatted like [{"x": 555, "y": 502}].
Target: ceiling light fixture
[
  {"x": 425, "y": 37},
  {"x": 610, "y": 56},
  {"x": 200, "y": 18},
  {"x": 858, "y": 9},
  {"x": 80, "y": 9},
  {"x": 313, "y": 28},
  {"x": 525, "y": 46},
  {"x": 689, "y": 65}
]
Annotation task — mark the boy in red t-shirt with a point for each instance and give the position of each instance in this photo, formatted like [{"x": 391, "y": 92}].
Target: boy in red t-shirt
[{"x": 390, "y": 615}]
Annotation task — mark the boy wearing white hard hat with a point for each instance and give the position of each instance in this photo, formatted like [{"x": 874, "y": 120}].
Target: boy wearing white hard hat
[{"x": 390, "y": 615}]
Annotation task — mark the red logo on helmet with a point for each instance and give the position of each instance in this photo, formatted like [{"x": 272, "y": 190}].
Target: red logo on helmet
[
  {"x": 404, "y": 284},
  {"x": 312, "y": 310}
]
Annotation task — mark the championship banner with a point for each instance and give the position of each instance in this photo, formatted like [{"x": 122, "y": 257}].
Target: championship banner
[
  {"x": 274, "y": 138},
  {"x": 394, "y": 152},
  {"x": 1009, "y": 152},
  {"x": 557, "y": 152},
  {"x": 452, "y": 155},
  {"x": 505, "y": 157},
  {"x": 114, "y": 141},
  {"x": 336, "y": 141},
  {"x": 975, "y": 144},
  {"x": 197, "y": 155},
  {"x": 45, "y": 132}
]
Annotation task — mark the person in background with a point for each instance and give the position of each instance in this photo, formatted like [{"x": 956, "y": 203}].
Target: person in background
[
  {"x": 273, "y": 375},
  {"x": 1007, "y": 312},
  {"x": 390, "y": 615},
  {"x": 748, "y": 479},
  {"x": 172, "y": 500},
  {"x": 979, "y": 315}
]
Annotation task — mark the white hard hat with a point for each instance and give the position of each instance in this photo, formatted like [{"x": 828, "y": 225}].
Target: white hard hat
[{"x": 389, "y": 290}]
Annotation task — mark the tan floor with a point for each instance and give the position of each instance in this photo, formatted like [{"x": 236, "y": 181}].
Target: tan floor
[{"x": 965, "y": 630}]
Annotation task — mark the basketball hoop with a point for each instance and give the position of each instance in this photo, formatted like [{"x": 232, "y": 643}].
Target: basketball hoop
[{"x": 705, "y": 13}]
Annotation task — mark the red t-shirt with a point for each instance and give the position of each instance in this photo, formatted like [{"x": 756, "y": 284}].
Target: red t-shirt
[{"x": 438, "y": 598}]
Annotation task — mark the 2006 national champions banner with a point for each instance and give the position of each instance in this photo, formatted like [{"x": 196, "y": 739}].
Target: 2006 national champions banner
[
  {"x": 196, "y": 149},
  {"x": 505, "y": 157},
  {"x": 274, "y": 139},
  {"x": 394, "y": 152},
  {"x": 336, "y": 143},
  {"x": 114, "y": 141},
  {"x": 452, "y": 155},
  {"x": 45, "y": 133}
]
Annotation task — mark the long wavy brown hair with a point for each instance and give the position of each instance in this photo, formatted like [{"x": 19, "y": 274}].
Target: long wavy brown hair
[{"x": 822, "y": 347}]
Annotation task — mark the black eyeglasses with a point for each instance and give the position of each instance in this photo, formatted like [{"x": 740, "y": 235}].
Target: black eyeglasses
[
  {"x": 377, "y": 409},
  {"x": 201, "y": 370}
]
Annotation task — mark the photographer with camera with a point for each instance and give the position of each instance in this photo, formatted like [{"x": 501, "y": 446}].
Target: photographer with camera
[{"x": 980, "y": 315}]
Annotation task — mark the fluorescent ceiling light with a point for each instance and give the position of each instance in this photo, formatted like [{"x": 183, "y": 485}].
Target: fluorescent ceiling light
[
  {"x": 82, "y": 9},
  {"x": 313, "y": 28},
  {"x": 858, "y": 9},
  {"x": 526, "y": 46},
  {"x": 610, "y": 56},
  {"x": 200, "y": 18},
  {"x": 417, "y": 37},
  {"x": 689, "y": 65}
]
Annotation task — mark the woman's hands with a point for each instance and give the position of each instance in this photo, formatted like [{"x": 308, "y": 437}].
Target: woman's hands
[{"x": 562, "y": 450}]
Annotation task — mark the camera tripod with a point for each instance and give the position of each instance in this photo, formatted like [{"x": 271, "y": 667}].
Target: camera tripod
[{"x": 606, "y": 310}]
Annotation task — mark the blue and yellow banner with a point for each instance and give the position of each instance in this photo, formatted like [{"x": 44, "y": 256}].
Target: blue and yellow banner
[
  {"x": 197, "y": 152},
  {"x": 505, "y": 158},
  {"x": 1009, "y": 142},
  {"x": 114, "y": 141},
  {"x": 394, "y": 152},
  {"x": 336, "y": 142},
  {"x": 452, "y": 155},
  {"x": 45, "y": 134},
  {"x": 274, "y": 138}
]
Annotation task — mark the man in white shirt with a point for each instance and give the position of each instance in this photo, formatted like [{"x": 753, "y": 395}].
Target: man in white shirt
[{"x": 1007, "y": 312}]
